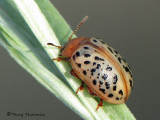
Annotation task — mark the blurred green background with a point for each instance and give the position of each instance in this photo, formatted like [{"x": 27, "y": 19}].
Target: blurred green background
[{"x": 131, "y": 27}]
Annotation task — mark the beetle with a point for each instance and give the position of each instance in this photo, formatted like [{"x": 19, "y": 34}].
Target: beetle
[{"x": 105, "y": 72}]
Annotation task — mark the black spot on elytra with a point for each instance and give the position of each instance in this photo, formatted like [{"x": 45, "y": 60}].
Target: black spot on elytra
[
  {"x": 107, "y": 85},
  {"x": 119, "y": 59},
  {"x": 114, "y": 88},
  {"x": 98, "y": 74},
  {"x": 121, "y": 92},
  {"x": 74, "y": 57},
  {"x": 126, "y": 68},
  {"x": 100, "y": 82},
  {"x": 124, "y": 60},
  {"x": 131, "y": 83},
  {"x": 87, "y": 62},
  {"x": 109, "y": 68},
  {"x": 105, "y": 76},
  {"x": 84, "y": 72},
  {"x": 101, "y": 59},
  {"x": 86, "y": 47},
  {"x": 116, "y": 51},
  {"x": 103, "y": 90},
  {"x": 98, "y": 66},
  {"x": 87, "y": 55},
  {"x": 94, "y": 82},
  {"x": 130, "y": 73},
  {"x": 115, "y": 79},
  {"x": 77, "y": 54},
  {"x": 110, "y": 49},
  {"x": 117, "y": 98},
  {"x": 102, "y": 42},
  {"x": 79, "y": 65},
  {"x": 110, "y": 95},
  {"x": 94, "y": 63},
  {"x": 93, "y": 70},
  {"x": 95, "y": 40},
  {"x": 98, "y": 58}
]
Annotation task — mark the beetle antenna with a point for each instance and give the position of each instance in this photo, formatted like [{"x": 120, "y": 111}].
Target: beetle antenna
[{"x": 78, "y": 26}]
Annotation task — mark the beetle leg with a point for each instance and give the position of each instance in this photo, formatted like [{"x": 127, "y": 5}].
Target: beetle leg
[
  {"x": 80, "y": 88},
  {"x": 100, "y": 104},
  {"x": 91, "y": 91},
  {"x": 61, "y": 59},
  {"x": 58, "y": 58},
  {"x": 74, "y": 74},
  {"x": 54, "y": 45}
]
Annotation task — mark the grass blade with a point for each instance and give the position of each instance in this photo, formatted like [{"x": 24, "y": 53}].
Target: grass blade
[{"x": 28, "y": 36}]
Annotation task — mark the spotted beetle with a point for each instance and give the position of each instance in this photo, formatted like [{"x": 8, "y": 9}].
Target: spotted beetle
[{"x": 104, "y": 71}]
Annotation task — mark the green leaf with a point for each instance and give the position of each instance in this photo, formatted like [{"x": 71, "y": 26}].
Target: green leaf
[{"x": 26, "y": 26}]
